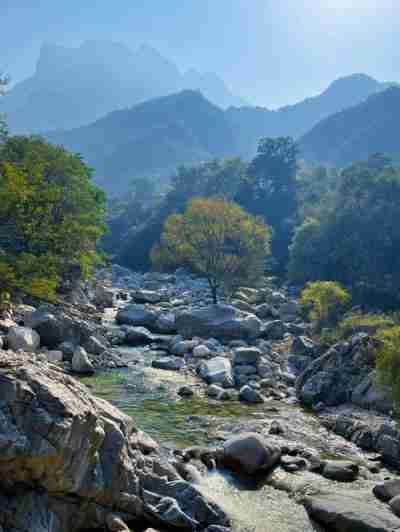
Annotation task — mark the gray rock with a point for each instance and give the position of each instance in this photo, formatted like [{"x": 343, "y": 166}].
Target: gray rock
[
  {"x": 53, "y": 330},
  {"x": 289, "y": 311},
  {"x": 54, "y": 357},
  {"x": 395, "y": 505},
  {"x": 23, "y": 338},
  {"x": 344, "y": 513},
  {"x": 137, "y": 316},
  {"x": 67, "y": 349},
  {"x": 245, "y": 370},
  {"x": 249, "y": 453},
  {"x": 274, "y": 330},
  {"x": 218, "y": 321},
  {"x": 201, "y": 351},
  {"x": 94, "y": 345},
  {"x": 216, "y": 370},
  {"x": 246, "y": 355},
  {"x": 165, "y": 324},
  {"x": 214, "y": 391},
  {"x": 81, "y": 363},
  {"x": 250, "y": 395},
  {"x": 146, "y": 296},
  {"x": 169, "y": 363},
  {"x": 186, "y": 391},
  {"x": 340, "y": 471},
  {"x": 183, "y": 347},
  {"x": 265, "y": 311},
  {"x": 387, "y": 490},
  {"x": 104, "y": 296},
  {"x": 1, "y": 342},
  {"x": 137, "y": 336},
  {"x": 304, "y": 346}
]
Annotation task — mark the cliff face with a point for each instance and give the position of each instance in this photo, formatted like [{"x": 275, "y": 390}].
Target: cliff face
[{"x": 69, "y": 461}]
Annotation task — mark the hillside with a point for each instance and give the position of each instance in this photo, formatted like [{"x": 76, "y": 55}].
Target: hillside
[
  {"x": 357, "y": 132},
  {"x": 251, "y": 123},
  {"x": 75, "y": 86},
  {"x": 151, "y": 139}
]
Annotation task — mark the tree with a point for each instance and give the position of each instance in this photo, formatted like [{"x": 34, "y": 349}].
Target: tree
[
  {"x": 269, "y": 190},
  {"x": 3, "y": 126},
  {"x": 51, "y": 216},
  {"x": 217, "y": 239},
  {"x": 306, "y": 258},
  {"x": 324, "y": 302}
]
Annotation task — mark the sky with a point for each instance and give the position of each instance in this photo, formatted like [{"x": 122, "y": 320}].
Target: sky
[{"x": 269, "y": 52}]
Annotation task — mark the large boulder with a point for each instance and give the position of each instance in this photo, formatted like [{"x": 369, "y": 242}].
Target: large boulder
[
  {"x": 250, "y": 453},
  {"x": 217, "y": 370},
  {"x": 387, "y": 490},
  {"x": 23, "y": 338},
  {"x": 81, "y": 363},
  {"x": 137, "y": 316},
  {"x": 344, "y": 513},
  {"x": 146, "y": 296},
  {"x": 218, "y": 321},
  {"x": 246, "y": 355},
  {"x": 69, "y": 460}
]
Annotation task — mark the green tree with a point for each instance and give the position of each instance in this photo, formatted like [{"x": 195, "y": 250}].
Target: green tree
[
  {"x": 3, "y": 125},
  {"x": 324, "y": 302},
  {"x": 388, "y": 361},
  {"x": 269, "y": 190},
  {"x": 51, "y": 216},
  {"x": 306, "y": 258},
  {"x": 217, "y": 239}
]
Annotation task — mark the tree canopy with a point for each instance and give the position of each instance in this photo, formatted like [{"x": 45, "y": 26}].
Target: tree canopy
[
  {"x": 217, "y": 239},
  {"x": 51, "y": 216}
]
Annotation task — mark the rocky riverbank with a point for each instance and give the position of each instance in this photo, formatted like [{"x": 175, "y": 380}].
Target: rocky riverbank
[{"x": 77, "y": 460}]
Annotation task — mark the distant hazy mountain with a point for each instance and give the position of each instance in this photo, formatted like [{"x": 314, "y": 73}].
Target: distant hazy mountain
[
  {"x": 75, "y": 86},
  {"x": 251, "y": 123},
  {"x": 355, "y": 133},
  {"x": 151, "y": 138}
]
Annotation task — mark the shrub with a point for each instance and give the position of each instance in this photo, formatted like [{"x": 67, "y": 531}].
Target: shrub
[
  {"x": 324, "y": 301},
  {"x": 388, "y": 361}
]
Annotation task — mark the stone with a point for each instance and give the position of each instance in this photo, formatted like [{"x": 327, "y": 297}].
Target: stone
[
  {"x": 387, "y": 490},
  {"x": 137, "y": 316},
  {"x": 104, "y": 296},
  {"x": 94, "y": 345},
  {"x": 81, "y": 363},
  {"x": 168, "y": 363},
  {"x": 250, "y": 395},
  {"x": 274, "y": 330},
  {"x": 276, "y": 428},
  {"x": 1, "y": 342},
  {"x": 246, "y": 355},
  {"x": 51, "y": 329},
  {"x": 216, "y": 370},
  {"x": 251, "y": 454},
  {"x": 289, "y": 311},
  {"x": 67, "y": 349},
  {"x": 146, "y": 296},
  {"x": 23, "y": 338},
  {"x": 183, "y": 347},
  {"x": 60, "y": 445},
  {"x": 54, "y": 357},
  {"x": 186, "y": 391},
  {"x": 265, "y": 311},
  {"x": 345, "y": 513},
  {"x": 341, "y": 471},
  {"x": 165, "y": 324},
  {"x": 114, "y": 523},
  {"x": 245, "y": 370},
  {"x": 214, "y": 390},
  {"x": 395, "y": 505},
  {"x": 135, "y": 336},
  {"x": 222, "y": 322},
  {"x": 304, "y": 346},
  {"x": 201, "y": 351}
]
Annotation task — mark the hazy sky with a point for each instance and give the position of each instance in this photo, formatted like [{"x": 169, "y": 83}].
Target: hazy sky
[{"x": 270, "y": 52}]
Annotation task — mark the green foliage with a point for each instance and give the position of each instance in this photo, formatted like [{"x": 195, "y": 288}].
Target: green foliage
[
  {"x": 369, "y": 323},
  {"x": 269, "y": 190},
  {"x": 388, "y": 361},
  {"x": 3, "y": 125},
  {"x": 324, "y": 302},
  {"x": 358, "y": 238},
  {"x": 217, "y": 239},
  {"x": 51, "y": 216}
]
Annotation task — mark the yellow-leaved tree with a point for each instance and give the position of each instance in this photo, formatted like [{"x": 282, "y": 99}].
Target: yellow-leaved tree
[{"x": 217, "y": 239}]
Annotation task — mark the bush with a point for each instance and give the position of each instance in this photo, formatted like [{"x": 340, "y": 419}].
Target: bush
[
  {"x": 324, "y": 302},
  {"x": 369, "y": 323},
  {"x": 388, "y": 361}
]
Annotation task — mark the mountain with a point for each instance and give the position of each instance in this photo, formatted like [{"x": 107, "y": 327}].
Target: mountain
[
  {"x": 75, "y": 86},
  {"x": 251, "y": 123},
  {"x": 356, "y": 133},
  {"x": 151, "y": 139}
]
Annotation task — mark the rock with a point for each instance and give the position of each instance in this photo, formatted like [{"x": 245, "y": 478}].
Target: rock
[
  {"x": 68, "y": 458},
  {"x": 165, "y": 324},
  {"x": 137, "y": 316},
  {"x": 387, "y": 490},
  {"x": 216, "y": 370},
  {"x": 94, "y": 345},
  {"x": 201, "y": 351},
  {"x": 344, "y": 513},
  {"x": 104, "y": 296},
  {"x": 186, "y": 391},
  {"x": 23, "y": 338},
  {"x": 367, "y": 394},
  {"x": 289, "y": 311},
  {"x": 227, "y": 395},
  {"x": 115, "y": 524},
  {"x": 6, "y": 324},
  {"x": 137, "y": 336},
  {"x": 249, "y": 453},
  {"x": 395, "y": 505},
  {"x": 274, "y": 330},
  {"x": 242, "y": 305},
  {"x": 168, "y": 363},
  {"x": 340, "y": 471},
  {"x": 81, "y": 363},
  {"x": 54, "y": 357},
  {"x": 1, "y": 342},
  {"x": 51, "y": 329},
  {"x": 146, "y": 296},
  {"x": 250, "y": 395},
  {"x": 245, "y": 370},
  {"x": 276, "y": 428},
  {"x": 183, "y": 347},
  {"x": 214, "y": 391},
  {"x": 67, "y": 349},
  {"x": 246, "y": 355},
  {"x": 304, "y": 346},
  {"x": 266, "y": 311},
  {"x": 218, "y": 321}
]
